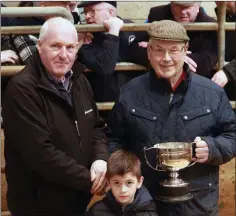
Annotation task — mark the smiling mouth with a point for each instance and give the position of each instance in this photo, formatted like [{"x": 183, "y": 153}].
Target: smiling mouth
[
  {"x": 166, "y": 66},
  {"x": 59, "y": 63},
  {"x": 184, "y": 18},
  {"x": 123, "y": 197}
]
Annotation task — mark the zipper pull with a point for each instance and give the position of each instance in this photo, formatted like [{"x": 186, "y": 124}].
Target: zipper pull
[{"x": 77, "y": 129}]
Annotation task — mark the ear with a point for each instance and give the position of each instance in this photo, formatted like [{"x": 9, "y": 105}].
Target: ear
[
  {"x": 148, "y": 51},
  {"x": 78, "y": 46},
  {"x": 108, "y": 183},
  {"x": 140, "y": 182},
  {"x": 186, "y": 46},
  {"x": 111, "y": 12},
  {"x": 39, "y": 46},
  {"x": 198, "y": 5}
]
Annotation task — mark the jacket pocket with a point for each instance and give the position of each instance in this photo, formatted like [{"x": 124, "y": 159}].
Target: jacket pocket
[
  {"x": 143, "y": 123},
  {"x": 205, "y": 196},
  {"x": 143, "y": 113},
  {"x": 196, "y": 113},
  {"x": 198, "y": 121}
]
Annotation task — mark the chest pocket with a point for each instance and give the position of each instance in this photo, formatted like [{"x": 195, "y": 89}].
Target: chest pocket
[
  {"x": 143, "y": 113},
  {"x": 143, "y": 122},
  {"x": 199, "y": 119}
]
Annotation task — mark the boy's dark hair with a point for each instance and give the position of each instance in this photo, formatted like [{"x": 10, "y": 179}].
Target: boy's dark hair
[{"x": 122, "y": 162}]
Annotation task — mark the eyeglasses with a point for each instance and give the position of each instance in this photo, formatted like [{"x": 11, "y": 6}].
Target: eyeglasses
[
  {"x": 162, "y": 52},
  {"x": 91, "y": 11}
]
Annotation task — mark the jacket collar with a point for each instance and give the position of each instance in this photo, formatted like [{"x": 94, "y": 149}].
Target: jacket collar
[
  {"x": 142, "y": 202},
  {"x": 163, "y": 86}
]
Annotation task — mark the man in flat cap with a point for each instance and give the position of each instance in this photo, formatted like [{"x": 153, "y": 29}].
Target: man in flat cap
[
  {"x": 172, "y": 104},
  {"x": 203, "y": 44},
  {"x": 113, "y": 45}
]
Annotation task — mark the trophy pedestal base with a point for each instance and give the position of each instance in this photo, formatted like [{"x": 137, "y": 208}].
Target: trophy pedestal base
[
  {"x": 176, "y": 199},
  {"x": 174, "y": 191}
]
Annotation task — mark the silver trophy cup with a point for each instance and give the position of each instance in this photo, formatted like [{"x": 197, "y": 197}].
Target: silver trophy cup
[{"x": 172, "y": 157}]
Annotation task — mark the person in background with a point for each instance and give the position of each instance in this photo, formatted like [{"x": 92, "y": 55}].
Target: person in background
[
  {"x": 170, "y": 103},
  {"x": 227, "y": 76},
  {"x": 114, "y": 47},
  {"x": 127, "y": 194},
  {"x": 202, "y": 56},
  {"x": 26, "y": 44},
  {"x": 75, "y": 11},
  {"x": 56, "y": 149},
  {"x": 8, "y": 56}
]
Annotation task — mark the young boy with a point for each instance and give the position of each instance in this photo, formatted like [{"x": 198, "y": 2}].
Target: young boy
[{"x": 127, "y": 196}]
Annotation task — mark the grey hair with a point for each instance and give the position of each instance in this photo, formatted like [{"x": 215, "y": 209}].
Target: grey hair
[
  {"x": 109, "y": 6},
  {"x": 56, "y": 21}
]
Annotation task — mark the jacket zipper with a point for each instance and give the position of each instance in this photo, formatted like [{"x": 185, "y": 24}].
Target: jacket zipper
[
  {"x": 76, "y": 123},
  {"x": 78, "y": 133}
]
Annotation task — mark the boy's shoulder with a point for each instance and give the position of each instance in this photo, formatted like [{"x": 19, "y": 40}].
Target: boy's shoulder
[{"x": 100, "y": 208}]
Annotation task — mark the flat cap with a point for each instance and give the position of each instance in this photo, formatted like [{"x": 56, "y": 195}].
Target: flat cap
[
  {"x": 185, "y": 3},
  {"x": 167, "y": 30},
  {"x": 89, "y": 3}
]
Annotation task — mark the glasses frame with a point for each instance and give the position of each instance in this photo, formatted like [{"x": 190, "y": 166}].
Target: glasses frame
[
  {"x": 92, "y": 11},
  {"x": 170, "y": 53}
]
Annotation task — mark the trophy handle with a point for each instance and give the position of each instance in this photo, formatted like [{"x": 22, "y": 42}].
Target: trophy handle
[
  {"x": 193, "y": 153},
  {"x": 147, "y": 149}
]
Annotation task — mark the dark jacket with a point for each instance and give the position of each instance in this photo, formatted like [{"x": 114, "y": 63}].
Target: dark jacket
[
  {"x": 101, "y": 57},
  {"x": 143, "y": 205},
  {"x": 203, "y": 44},
  {"x": 230, "y": 70},
  {"x": 142, "y": 116},
  {"x": 50, "y": 144}
]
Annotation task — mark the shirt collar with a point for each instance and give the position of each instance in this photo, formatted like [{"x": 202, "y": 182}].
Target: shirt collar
[{"x": 63, "y": 83}]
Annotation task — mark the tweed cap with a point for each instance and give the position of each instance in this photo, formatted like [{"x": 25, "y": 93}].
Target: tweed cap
[
  {"x": 167, "y": 30},
  {"x": 89, "y": 3},
  {"x": 185, "y": 3}
]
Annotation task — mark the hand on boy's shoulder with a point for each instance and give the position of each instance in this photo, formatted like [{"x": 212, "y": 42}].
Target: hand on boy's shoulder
[{"x": 98, "y": 171}]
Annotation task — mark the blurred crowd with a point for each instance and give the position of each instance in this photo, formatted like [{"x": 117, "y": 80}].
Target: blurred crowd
[{"x": 106, "y": 49}]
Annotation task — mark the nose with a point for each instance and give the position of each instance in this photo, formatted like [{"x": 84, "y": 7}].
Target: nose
[
  {"x": 87, "y": 15},
  {"x": 184, "y": 11},
  {"x": 167, "y": 56},
  {"x": 63, "y": 52},
  {"x": 123, "y": 189}
]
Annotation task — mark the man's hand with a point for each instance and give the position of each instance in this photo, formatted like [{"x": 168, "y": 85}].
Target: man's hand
[
  {"x": 202, "y": 150},
  {"x": 85, "y": 38},
  {"x": 143, "y": 44},
  {"x": 8, "y": 56},
  {"x": 220, "y": 78},
  {"x": 192, "y": 64},
  {"x": 98, "y": 172},
  {"x": 113, "y": 25}
]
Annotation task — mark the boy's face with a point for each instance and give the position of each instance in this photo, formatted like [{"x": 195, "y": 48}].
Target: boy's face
[{"x": 124, "y": 187}]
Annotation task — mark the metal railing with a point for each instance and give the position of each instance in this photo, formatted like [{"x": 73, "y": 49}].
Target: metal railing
[
  {"x": 35, "y": 11},
  {"x": 221, "y": 26},
  {"x": 123, "y": 66},
  {"x": 127, "y": 27}
]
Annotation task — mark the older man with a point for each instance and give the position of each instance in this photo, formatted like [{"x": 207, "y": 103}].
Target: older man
[
  {"x": 113, "y": 45},
  {"x": 202, "y": 45},
  {"x": 170, "y": 104},
  {"x": 55, "y": 148}
]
